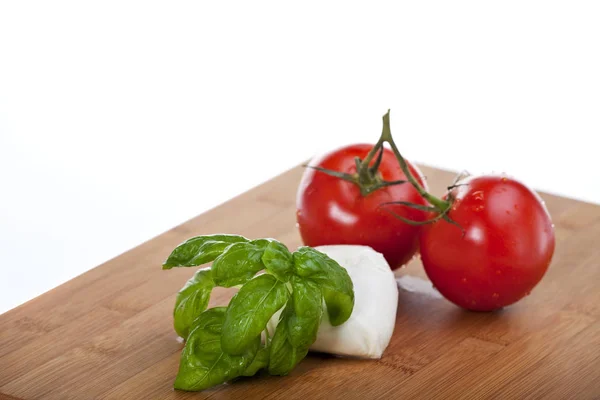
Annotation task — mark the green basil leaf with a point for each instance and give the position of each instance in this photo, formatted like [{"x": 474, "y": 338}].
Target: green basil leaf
[
  {"x": 260, "y": 361},
  {"x": 250, "y": 310},
  {"x": 262, "y": 243},
  {"x": 278, "y": 261},
  {"x": 238, "y": 264},
  {"x": 303, "y": 323},
  {"x": 203, "y": 364},
  {"x": 334, "y": 281},
  {"x": 192, "y": 300},
  {"x": 200, "y": 250},
  {"x": 283, "y": 355}
]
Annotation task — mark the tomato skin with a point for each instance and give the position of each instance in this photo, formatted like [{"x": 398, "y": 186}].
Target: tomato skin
[
  {"x": 506, "y": 249},
  {"x": 333, "y": 211}
]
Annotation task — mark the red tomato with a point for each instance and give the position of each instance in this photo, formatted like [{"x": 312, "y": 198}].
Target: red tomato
[
  {"x": 506, "y": 249},
  {"x": 331, "y": 210}
]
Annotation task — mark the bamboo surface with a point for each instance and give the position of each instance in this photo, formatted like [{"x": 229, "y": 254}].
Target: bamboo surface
[{"x": 108, "y": 333}]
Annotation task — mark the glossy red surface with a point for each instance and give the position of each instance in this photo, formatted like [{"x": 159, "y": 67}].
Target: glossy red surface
[
  {"x": 333, "y": 211},
  {"x": 506, "y": 249}
]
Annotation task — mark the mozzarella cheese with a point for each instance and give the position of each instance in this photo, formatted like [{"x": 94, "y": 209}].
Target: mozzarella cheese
[{"x": 367, "y": 333}]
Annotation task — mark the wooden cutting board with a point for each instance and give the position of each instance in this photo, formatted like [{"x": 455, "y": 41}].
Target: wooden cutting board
[{"x": 108, "y": 333}]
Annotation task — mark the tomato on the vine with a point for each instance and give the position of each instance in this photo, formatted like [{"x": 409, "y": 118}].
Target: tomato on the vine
[
  {"x": 484, "y": 246},
  {"x": 503, "y": 250},
  {"x": 345, "y": 206}
]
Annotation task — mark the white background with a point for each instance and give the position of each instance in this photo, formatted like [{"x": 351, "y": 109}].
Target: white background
[{"x": 119, "y": 120}]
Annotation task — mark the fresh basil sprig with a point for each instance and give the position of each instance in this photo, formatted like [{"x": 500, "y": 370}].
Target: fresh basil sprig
[{"x": 223, "y": 343}]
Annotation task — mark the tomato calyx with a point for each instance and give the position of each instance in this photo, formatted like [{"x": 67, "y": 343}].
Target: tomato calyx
[{"x": 366, "y": 177}]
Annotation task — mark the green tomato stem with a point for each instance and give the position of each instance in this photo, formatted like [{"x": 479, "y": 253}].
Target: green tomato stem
[{"x": 386, "y": 136}]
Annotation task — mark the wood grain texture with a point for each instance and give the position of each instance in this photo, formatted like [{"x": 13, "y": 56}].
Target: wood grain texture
[{"x": 108, "y": 333}]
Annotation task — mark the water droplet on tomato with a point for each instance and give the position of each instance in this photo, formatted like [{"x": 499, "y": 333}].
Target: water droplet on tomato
[
  {"x": 495, "y": 295},
  {"x": 478, "y": 208},
  {"x": 478, "y": 195},
  {"x": 498, "y": 272},
  {"x": 464, "y": 280}
]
